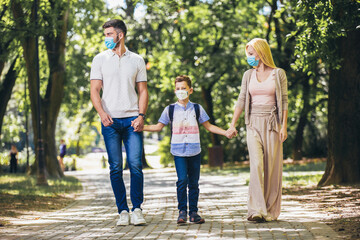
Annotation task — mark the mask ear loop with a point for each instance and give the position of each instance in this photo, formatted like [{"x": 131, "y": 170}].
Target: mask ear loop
[{"x": 119, "y": 51}]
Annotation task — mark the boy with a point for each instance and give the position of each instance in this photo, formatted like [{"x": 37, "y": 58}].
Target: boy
[{"x": 185, "y": 145}]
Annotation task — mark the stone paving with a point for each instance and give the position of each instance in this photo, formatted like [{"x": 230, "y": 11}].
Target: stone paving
[{"x": 222, "y": 203}]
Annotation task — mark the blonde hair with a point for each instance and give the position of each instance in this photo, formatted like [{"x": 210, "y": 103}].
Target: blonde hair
[{"x": 262, "y": 48}]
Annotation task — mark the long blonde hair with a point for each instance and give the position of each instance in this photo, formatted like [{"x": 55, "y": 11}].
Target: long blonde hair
[{"x": 262, "y": 48}]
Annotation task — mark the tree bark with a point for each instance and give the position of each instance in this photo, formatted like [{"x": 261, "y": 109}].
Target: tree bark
[
  {"x": 343, "y": 164},
  {"x": 6, "y": 90},
  {"x": 303, "y": 120},
  {"x": 206, "y": 94},
  {"x": 50, "y": 104}
]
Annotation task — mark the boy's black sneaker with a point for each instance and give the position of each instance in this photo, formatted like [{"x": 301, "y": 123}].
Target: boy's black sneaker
[
  {"x": 182, "y": 217},
  {"x": 195, "y": 218}
]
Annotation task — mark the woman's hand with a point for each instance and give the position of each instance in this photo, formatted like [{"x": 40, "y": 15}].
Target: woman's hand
[{"x": 283, "y": 134}]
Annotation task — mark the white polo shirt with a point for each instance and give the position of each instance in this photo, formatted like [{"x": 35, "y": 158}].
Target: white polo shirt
[{"x": 119, "y": 75}]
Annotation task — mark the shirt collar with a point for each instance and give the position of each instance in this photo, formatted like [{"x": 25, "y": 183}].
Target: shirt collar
[
  {"x": 187, "y": 105},
  {"x": 111, "y": 53}
]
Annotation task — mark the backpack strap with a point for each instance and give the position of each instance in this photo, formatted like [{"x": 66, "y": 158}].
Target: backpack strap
[
  {"x": 197, "y": 111},
  {"x": 171, "y": 116}
]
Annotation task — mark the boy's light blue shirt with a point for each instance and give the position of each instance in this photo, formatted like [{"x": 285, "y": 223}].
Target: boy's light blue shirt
[{"x": 185, "y": 140}]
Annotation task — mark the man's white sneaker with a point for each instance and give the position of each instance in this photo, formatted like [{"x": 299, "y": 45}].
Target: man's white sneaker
[
  {"x": 137, "y": 217},
  {"x": 124, "y": 219}
]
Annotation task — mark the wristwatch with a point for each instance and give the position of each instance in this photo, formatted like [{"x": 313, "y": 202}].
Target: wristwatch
[{"x": 143, "y": 115}]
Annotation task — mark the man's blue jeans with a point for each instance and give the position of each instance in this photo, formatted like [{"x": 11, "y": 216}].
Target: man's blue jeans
[
  {"x": 122, "y": 131},
  {"x": 188, "y": 172}
]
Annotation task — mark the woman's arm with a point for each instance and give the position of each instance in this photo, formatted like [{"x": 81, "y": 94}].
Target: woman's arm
[
  {"x": 154, "y": 128},
  {"x": 214, "y": 129},
  {"x": 231, "y": 132}
]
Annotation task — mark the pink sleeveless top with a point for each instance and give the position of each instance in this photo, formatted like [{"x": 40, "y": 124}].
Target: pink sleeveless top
[{"x": 262, "y": 93}]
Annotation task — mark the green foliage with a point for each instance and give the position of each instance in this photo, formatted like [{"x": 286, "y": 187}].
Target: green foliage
[
  {"x": 323, "y": 22},
  {"x": 166, "y": 159},
  {"x": 203, "y": 39}
]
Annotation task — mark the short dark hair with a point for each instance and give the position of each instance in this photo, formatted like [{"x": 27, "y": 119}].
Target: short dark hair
[
  {"x": 117, "y": 24},
  {"x": 183, "y": 78}
]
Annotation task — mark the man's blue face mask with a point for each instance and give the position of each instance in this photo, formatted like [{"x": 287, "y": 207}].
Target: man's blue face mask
[
  {"x": 109, "y": 43},
  {"x": 252, "y": 62}
]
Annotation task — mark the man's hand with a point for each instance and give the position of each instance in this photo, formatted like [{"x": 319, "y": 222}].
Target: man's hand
[
  {"x": 138, "y": 124},
  {"x": 106, "y": 120}
]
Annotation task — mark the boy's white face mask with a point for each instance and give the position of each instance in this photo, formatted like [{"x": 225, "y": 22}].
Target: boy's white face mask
[{"x": 181, "y": 94}]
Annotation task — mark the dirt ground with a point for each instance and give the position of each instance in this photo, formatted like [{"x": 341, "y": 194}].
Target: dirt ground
[{"x": 341, "y": 204}]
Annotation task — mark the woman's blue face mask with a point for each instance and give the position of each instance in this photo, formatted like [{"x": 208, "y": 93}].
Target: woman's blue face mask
[{"x": 252, "y": 62}]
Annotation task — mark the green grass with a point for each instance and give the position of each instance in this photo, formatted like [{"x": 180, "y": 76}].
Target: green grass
[
  {"x": 20, "y": 184},
  {"x": 294, "y": 175},
  {"x": 19, "y": 193}
]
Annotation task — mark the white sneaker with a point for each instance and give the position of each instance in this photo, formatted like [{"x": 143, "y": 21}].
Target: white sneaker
[
  {"x": 137, "y": 217},
  {"x": 124, "y": 218}
]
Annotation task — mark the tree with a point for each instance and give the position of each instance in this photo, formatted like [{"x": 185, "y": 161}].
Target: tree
[
  {"x": 7, "y": 56},
  {"x": 329, "y": 33},
  {"x": 55, "y": 18}
]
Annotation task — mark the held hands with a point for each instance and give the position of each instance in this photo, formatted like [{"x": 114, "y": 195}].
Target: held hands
[
  {"x": 138, "y": 124},
  {"x": 231, "y": 132}
]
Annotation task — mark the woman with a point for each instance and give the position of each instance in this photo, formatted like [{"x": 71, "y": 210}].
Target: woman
[
  {"x": 13, "y": 159},
  {"x": 264, "y": 98}
]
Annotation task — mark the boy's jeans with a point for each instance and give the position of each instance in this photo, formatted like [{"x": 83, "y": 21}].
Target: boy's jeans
[
  {"x": 121, "y": 130},
  {"x": 188, "y": 172}
]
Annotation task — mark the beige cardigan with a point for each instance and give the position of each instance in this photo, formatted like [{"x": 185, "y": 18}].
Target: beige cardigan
[{"x": 244, "y": 100}]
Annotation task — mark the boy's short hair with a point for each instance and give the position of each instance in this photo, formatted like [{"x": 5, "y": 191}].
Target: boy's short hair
[
  {"x": 117, "y": 24},
  {"x": 183, "y": 78}
]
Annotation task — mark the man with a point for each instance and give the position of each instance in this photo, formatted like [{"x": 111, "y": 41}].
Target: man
[{"x": 118, "y": 71}]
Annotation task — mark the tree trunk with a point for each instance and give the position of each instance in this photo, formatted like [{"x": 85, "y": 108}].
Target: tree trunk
[
  {"x": 6, "y": 90},
  {"x": 343, "y": 164},
  {"x": 143, "y": 160},
  {"x": 50, "y": 104},
  {"x": 206, "y": 94},
  {"x": 78, "y": 139},
  {"x": 299, "y": 135}
]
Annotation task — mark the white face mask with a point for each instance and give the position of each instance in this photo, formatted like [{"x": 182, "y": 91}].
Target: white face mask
[{"x": 181, "y": 94}]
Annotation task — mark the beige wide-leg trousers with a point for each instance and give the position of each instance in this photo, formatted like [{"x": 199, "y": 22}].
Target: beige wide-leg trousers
[{"x": 266, "y": 162}]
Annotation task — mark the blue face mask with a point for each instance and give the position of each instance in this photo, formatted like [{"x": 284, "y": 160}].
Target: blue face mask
[
  {"x": 252, "y": 62},
  {"x": 109, "y": 43}
]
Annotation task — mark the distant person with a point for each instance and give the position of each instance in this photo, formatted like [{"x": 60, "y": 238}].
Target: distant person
[
  {"x": 62, "y": 153},
  {"x": 121, "y": 74},
  {"x": 264, "y": 98},
  {"x": 184, "y": 117},
  {"x": 13, "y": 159}
]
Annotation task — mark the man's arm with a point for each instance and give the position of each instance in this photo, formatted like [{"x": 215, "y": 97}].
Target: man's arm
[
  {"x": 95, "y": 87},
  {"x": 138, "y": 123}
]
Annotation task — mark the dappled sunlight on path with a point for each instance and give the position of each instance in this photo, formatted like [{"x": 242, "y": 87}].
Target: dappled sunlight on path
[{"x": 222, "y": 203}]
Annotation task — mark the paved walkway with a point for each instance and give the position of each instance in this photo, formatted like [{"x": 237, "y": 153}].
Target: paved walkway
[{"x": 222, "y": 203}]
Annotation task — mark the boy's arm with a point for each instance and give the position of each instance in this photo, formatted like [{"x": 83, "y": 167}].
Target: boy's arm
[
  {"x": 154, "y": 128},
  {"x": 214, "y": 129}
]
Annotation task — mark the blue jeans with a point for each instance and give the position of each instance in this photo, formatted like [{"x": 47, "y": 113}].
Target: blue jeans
[
  {"x": 122, "y": 131},
  {"x": 188, "y": 172}
]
